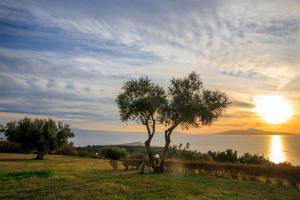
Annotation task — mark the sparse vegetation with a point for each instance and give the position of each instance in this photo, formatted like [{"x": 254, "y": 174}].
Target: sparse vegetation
[
  {"x": 266, "y": 173},
  {"x": 175, "y": 152}
]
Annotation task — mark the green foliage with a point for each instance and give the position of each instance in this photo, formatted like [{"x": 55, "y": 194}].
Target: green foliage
[
  {"x": 190, "y": 105},
  {"x": 253, "y": 159},
  {"x": 42, "y": 135},
  {"x": 114, "y": 153},
  {"x": 113, "y": 164},
  {"x": 63, "y": 133},
  {"x": 176, "y": 152},
  {"x": 290, "y": 174},
  {"x": 186, "y": 102},
  {"x": 26, "y": 174},
  {"x": 225, "y": 156},
  {"x": 140, "y": 100},
  {"x": 10, "y": 147},
  {"x": 125, "y": 163},
  {"x": 179, "y": 153},
  {"x": 66, "y": 149}
]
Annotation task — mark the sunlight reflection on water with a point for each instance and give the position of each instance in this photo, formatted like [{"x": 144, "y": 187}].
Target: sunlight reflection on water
[
  {"x": 285, "y": 147},
  {"x": 276, "y": 150}
]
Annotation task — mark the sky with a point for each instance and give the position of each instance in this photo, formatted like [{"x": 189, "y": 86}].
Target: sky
[{"x": 68, "y": 59}]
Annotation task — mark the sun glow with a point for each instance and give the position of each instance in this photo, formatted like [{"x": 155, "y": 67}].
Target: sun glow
[
  {"x": 276, "y": 151},
  {"x": 273, "y": 109}
]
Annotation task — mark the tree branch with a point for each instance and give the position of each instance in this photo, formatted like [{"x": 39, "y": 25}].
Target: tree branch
[
  {"x": 170, "y": 129},
  {"x": 148, "y": 129},
  {"x": 153, "y": 125}
]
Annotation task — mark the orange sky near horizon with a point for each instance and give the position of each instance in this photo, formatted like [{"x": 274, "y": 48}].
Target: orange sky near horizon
[{"x": 233, "y": 119}]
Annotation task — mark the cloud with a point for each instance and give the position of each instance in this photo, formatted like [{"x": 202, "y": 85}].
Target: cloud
[
  {"x": 243, "y": 104},
  {"x": 75, "y": 55}
]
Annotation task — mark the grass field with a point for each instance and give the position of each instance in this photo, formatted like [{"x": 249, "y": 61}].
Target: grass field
[{"x": 63, "y": 177}]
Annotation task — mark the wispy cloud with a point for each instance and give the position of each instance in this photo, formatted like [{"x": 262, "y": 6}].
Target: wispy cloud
[{"x": 69, "y": 58}]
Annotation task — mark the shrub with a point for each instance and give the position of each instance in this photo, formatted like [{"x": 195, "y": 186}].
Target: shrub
[
  {"x": 253, "y": 178},
  {"x": 290, "y": 174},
  {"x": 279, "y": 182},
  {"x": 66, "y": 149},
  {"x": 113, "y": 164},
  {"x": 126, "y": 164},
  {"x": 113, "y": 152},
  {"x": 84, "y": 154},
  {"x": 255, "y": 159},
  {"x": 235, "y": 175},
  {"x": 10, "y": 147}
]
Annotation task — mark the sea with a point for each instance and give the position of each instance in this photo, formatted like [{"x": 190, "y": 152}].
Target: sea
[{"x": 278, "y": 148}]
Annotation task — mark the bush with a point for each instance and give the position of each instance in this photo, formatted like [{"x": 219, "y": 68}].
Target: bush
[
  {"x": 255, "y": 159},
  {"x": 113, "y": 164},
  {"x": 113, "y": 152},
  {"x": 84, "y": 154},
  {"x": 10, "y": 147},
  {"x": 67, "y": 149},
  {"x": 290, "y": 174},
  {"x": 177, "y": 152},
  {"x": 125, "y": 163}
]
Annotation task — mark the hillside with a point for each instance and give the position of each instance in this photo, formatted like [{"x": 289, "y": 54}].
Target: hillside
[
  {"x": 252, "y": 132},
  {"x": 132, "y": 144},
  {"x": 87, "y": 178}
]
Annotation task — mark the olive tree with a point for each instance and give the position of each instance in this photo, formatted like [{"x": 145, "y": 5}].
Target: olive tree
[
  {"x": 42, "y": 135},
  {"x": 190, "y": 105},
  {"x": 186, "y": 103},
  {"x": 142, "y": 101}
]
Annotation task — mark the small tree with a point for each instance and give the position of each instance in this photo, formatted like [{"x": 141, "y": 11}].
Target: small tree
[
  {"x": 190, "y": 105},
  {"x": 142, "y": 101},
  {"x": 186, "y": 104},
  {"x": 42, "y": 135}
]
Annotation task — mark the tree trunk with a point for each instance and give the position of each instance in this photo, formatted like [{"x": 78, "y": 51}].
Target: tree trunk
[
  {"x": 151, "y": 133},
  {"x": 40, "y": 156},
  {"x": 149, "y": 152},
  {"x": 168, "y": 132},
  {"x": 162, "y": 167}
]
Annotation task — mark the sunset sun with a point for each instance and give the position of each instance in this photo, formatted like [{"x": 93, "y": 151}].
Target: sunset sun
[{"x": 273, "y": 109}]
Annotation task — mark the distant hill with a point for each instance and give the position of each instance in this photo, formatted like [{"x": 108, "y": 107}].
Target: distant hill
[
  {"x": 132, "y": 144},
  {"x": 80, "y": 131},
  {"x": 253, "y": 131}
]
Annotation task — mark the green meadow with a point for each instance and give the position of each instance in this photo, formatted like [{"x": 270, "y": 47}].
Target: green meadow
[{"x": 67, "y": 177}]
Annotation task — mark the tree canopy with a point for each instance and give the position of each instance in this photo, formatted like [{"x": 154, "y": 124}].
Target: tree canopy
[
  {"x": 141, "y": 100},
  {"x": 190, "y": 105},
  {"x": 42, "y": 135}
]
